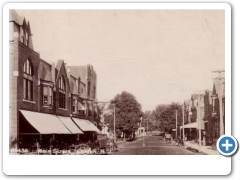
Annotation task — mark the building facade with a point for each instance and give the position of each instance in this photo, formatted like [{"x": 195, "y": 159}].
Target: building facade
[
  {"x": 48, "y": 90},
  {"x": 206, "y": 111}
]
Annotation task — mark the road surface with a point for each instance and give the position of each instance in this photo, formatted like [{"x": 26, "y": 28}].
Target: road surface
[{"x": 153, "y": 145}]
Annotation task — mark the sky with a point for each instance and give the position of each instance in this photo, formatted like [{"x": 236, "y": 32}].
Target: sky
[{"x": 160, "y": 56}]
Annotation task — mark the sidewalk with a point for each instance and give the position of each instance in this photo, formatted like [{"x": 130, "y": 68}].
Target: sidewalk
[{"x": 205, "y": 149}]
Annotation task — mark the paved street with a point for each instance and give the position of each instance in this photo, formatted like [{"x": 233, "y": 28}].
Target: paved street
[{"x": 153, "y": 146}]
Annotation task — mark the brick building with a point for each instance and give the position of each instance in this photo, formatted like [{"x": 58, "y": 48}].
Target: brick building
[{"x": 44, "y": 98}]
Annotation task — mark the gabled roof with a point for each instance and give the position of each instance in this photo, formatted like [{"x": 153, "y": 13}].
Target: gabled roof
[
  {"x": 79, "y": 71},
  {"x": 14, "y": 17},
  {"x": 29, "y": 28},
  {"x": 44, "y": 71},
  {"x": 59, "y": 64},
  {"x": 73, "y": 85}
]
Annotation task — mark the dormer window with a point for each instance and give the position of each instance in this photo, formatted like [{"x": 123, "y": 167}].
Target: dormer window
[
  {"x": 27, "y": 81},
  {"x": 62, "y": 93}
]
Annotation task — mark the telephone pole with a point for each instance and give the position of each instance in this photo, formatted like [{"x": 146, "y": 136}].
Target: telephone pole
[
  {"x": 176, "y": 124},
  {"x": 114, "y": 119},
  {"x": 183, "y": 135}
]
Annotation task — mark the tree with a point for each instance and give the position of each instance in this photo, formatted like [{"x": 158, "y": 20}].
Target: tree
[
  {"x": 128, "y": 112},
  {"x": 166, "y": 116},
  {"x": 97, "y": 115}
]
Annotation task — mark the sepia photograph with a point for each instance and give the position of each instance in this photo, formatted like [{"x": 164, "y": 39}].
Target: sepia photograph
[{"x": 116, "y": 81}]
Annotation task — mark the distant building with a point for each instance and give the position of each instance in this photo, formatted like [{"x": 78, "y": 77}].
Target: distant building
[
  {"x": 194, "y": 110},
  {"x": 218, "y": 105},
  {"x": 206, "y": 111},
  {"x": 88, "y": 79}
]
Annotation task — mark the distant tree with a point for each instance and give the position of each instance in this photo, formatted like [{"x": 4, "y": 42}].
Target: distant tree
[
  {"x": 166, "y": 116},
  {"x": 128, "y": 113}
]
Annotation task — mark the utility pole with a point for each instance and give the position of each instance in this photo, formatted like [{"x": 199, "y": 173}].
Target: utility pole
[
  {"x": 199, "y": 123},
  {"x": 143, "y": 143},
  {"x": 220, "y": 96},
  {"x": 176, "y": 125},
  {"x": 114, "y": 123},
  {"x": 183, "y": 135}
]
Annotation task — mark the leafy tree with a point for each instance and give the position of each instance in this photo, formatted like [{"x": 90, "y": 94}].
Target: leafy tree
[
  {"x": 166, "y": 116},
  {"x": 128, "y": 112}
]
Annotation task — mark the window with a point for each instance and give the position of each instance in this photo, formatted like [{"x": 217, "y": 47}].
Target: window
[
  {"x": 74, "y": 103},
  {"x": 88, "y": 90},
  {"x": 47, "y": 95},
  {"x": 26, "y": 43},
  {"x": 61, "y": 84},
  {"x": 79, "y": 86},
  {"x": 62, "y": 100},
  {"x": 22, "y": 36},
  {"x": 62, "y": 93},
  {"x": 94, "y": 92},
  {"x": 27, "y": 68},
  {"x": 28, "y": 81}
]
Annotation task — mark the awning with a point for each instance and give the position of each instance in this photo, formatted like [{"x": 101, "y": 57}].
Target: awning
[
  {"x": 45, "y": 123},
  {"x": 70, "y": 125},
  {"x": 190, "y": 125},
  {"x": 86, "y": 125},
  {"x": 193, "y": 125}
]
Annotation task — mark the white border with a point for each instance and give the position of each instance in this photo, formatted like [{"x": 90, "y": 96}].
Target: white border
[{"x": 115, "y": 165}]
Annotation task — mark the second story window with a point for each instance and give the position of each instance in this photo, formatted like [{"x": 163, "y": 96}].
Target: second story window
[
  {"x": 26, "y": 43},
  {"x": 61, "y": 84},
  {"x": 62, "y": 93},
  {"x": 47, "y": 95},
  {"x": 27, "y": 81},
  {"x": 74, "y": 104}
]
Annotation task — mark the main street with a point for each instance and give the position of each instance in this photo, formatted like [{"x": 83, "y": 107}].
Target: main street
[{"x": 154, "y": 145}]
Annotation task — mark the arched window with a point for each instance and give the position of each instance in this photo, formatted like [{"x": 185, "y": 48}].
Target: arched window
[
  {"x": 61, "y": 83},
  {"x": 28, "y": 80},
  {"x": 62, "y": 93},
  {"x": 27, "y": 67}
]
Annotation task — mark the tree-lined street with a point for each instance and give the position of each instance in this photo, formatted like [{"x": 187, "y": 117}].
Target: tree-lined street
[{"x": 154, "y": 145}]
